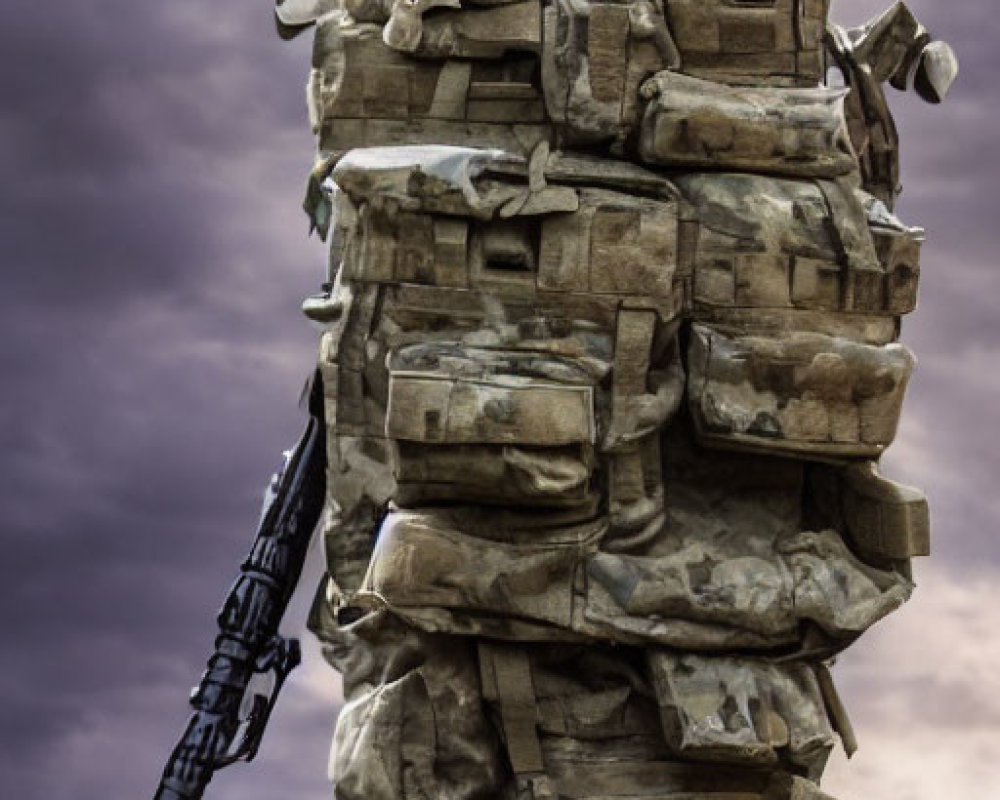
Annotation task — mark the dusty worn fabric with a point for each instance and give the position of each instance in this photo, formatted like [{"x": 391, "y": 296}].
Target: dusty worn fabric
[
  {"x": 742, "y": 710},
  {"x": 609, "y": 356},
  {"x": 803, "y": 393},
  {"x": 514, "y": 467},
  {"x": 703, "y": 124},
  {"x": 757, "y": 44},
  {"x": 414, "y": 724}
]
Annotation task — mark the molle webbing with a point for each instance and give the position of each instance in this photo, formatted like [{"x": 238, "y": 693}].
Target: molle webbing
[{"x": 506, "y": 680}]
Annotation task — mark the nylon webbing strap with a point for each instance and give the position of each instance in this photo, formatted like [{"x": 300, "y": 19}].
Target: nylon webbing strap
[
  {"x": 506, "y": 675},
  {"x": 836, "y": 710},
  {"x": 845, "y": 211},
  {"x": 633, "y": 343}
]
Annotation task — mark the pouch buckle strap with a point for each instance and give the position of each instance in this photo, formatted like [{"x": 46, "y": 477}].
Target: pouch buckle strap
[
  {"x": 505, "y": 672},
  {"x": 635, "y": 457}
]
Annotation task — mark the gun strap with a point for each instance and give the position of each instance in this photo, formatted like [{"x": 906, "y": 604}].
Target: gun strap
[{"x": 506, "y": 680}]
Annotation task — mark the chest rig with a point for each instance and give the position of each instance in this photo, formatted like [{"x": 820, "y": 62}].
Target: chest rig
[{"x": 610, "y": 354}]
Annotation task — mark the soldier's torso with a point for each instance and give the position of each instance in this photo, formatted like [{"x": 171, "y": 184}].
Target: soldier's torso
[{"x": 610, "y": 354}]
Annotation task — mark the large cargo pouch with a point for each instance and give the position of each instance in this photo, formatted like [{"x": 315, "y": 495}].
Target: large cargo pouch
[
  {"x": 806, "y": 394},
  {"x": 694, "y": 123},
  {"x": 364, "y": 93},
  {"x": 467, "y": 571},
  {"x": 491, "y": 426},
  {"x": 483, "y": 220},
  {"x": 742, "y": 710},
  {"x": 615, "y": 246},
  {"x": 798, "y": 246},
  {"x": 702, "y": 597},
  {"x": 451, "y": 570}
]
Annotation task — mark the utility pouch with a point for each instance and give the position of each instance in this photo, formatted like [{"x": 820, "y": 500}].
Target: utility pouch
[
  {"x": 467, "y": 90},
  {"x": 809, "y": 394},
  {"x": 751, "y": 42},
  {"x": 490, "y": 425},
  {"x": 731, "y": 709},
  {"x": 694, "y": 123}
]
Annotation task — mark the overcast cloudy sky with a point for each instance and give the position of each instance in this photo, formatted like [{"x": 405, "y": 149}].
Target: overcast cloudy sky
[{"x": 153, "y": 259}]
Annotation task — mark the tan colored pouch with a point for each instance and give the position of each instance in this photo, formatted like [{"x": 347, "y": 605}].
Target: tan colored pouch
[
  {"x": 804, "y": 393},
  {"x": 733, "y": 709},
  {"x": 690, "y": 122}
]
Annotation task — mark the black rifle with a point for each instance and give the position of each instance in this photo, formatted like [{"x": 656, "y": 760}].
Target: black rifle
[{"x": 230, "y": 711}]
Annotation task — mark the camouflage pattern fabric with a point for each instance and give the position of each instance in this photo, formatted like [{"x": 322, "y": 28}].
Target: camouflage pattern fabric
[{"x": 609, "y": 358}]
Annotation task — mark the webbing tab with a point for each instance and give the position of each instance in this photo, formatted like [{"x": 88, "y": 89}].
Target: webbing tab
[{"x": 506, "y": 679}]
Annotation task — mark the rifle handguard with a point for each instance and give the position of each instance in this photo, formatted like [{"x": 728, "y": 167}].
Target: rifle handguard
[{"x": 230, "y": 712}]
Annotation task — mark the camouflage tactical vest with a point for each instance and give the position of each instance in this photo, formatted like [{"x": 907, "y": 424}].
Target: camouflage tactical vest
[{"x": 610, "y": 355}]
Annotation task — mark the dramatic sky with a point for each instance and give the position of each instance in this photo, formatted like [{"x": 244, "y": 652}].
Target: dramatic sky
[{"x": 153, "y": 259}]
